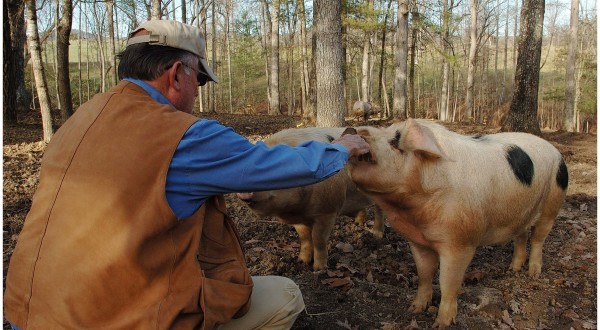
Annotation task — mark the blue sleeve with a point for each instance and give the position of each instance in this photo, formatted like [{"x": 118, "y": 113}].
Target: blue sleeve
[{"x": 212, "y": 159}]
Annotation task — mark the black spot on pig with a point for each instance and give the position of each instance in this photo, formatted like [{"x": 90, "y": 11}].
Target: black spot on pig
[
  {"x": 478, "y": 137},
  {"x": 330, "y": 138},
  {"x": 562, "y": 176},
  {"x": 520, "y": 163}
]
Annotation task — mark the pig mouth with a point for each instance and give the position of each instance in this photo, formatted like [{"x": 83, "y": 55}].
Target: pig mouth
[{"x": 367, "y": 158}]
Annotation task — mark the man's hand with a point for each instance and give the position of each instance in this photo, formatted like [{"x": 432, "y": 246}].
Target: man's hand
[{"x": 355, "y": 144}]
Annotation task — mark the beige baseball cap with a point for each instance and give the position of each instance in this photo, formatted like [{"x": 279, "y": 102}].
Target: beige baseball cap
[{"x": 177, "y": 35}]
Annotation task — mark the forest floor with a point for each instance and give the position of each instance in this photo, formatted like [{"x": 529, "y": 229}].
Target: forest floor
[{"x": 370, "y": 283}]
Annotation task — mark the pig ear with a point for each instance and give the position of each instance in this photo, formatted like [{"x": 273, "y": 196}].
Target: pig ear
[{"x": 419, "y": 139}]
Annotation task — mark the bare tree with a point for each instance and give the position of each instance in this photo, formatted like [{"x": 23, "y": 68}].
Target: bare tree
[
  {"x": 331, "y": 102},
  {"x": 110, "y": 5},
  {"x": 33, "y": 43},
  {"x": 472, "y": 58},
  {"x": 400, "y": 62},
  {"x": 274, "y": 105},
  {"x": 570, "y": 93},
  {"x": 522, "y": 114},
  {"x": 365, "y": 80},
  {"x": 16, "y": 97},
  {"x": 62, "y": 61},
  {"x": 304, "y": 80},
  {"x": 156, "y": 9},
  {"x": 445, "y": 93}
]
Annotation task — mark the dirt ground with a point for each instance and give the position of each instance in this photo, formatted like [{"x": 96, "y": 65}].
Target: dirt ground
[{"x": 370, "y": 283}]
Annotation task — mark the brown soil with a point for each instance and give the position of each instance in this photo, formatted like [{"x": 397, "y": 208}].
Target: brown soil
[{"x": 371, "y": 286}]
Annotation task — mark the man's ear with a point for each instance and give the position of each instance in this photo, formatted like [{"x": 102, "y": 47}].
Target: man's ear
[{"x": 173, "y": 77}]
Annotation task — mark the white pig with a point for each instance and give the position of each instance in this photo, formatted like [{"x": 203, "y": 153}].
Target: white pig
[
  {"x": 448, "y": 194},
  {"x": 361, "y": 109},
  {"x": 312, "y": 209}
]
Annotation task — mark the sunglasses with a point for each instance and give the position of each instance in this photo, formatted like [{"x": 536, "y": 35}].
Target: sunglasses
[{"x": 201, "y": 77}]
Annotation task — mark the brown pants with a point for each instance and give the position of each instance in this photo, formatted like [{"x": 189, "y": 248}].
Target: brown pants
[{"x": 275, "y": 304}]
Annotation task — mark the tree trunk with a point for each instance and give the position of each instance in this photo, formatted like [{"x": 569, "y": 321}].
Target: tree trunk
[
  {"x": 311, "y": 106},
  {"x": 522, "y": 114},
  {"x": 380, "y": 80},
  {"x": 365, "y": 81},
  {"x": 100, "y": 48},
  {"x": 266, "y": 43},
  {"x": 400, "y": 62},
  {"x": 62, "y": 44},
  {"x": 110, "y": 5},
  {"x": 329, "y": 61},
  {"x": 570, "y": 110},
  {"x": 212, "y": 101},
  {"x": 228, "y": 15},
  {"x": 304, "y": 54},
  {"x": 413, "y": 53},
  {"x": 16, "y": 98},
  {"x": 515, "y": 29},
  {"x": 469, "y": 103},
  {"x": 156, "y": 9},
  {"x": 274, "y": 104},
  {"x": 444, "y": 97},
  {"x": 33, "y": 43}
]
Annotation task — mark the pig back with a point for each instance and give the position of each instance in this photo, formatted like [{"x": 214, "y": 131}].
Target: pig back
[{"x": 337, "y": 194}]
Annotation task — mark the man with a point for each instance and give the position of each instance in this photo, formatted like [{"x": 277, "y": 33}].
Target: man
[{"x": 127, "y": 229}]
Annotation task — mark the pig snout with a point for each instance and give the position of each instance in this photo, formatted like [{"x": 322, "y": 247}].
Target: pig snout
[
  {"x": 349, "y": 130},
  {"x": 246, "y": 197}
]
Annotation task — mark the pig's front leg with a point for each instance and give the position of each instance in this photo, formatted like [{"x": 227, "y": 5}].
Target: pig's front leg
[
  {"x": 306, "y": 243},
  {"x": 359, "y": 219},
  {"x": 426, "y": 260},
  {"x": 320, "y": 236},
  {"x": 378, "y": 224},
  {"x": 454, "y": 261}
]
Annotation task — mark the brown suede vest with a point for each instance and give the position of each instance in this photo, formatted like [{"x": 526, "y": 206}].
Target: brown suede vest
[{"x": 101, "y": 248}]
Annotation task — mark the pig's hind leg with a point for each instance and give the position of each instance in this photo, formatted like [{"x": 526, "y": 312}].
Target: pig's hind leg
[
  {"x": 320, "y": 236},
  {"x": 519, "y": 251},
  {"x": 542, "y": 228}
]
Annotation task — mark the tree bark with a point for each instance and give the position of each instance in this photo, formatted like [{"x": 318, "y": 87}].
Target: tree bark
[
  {"x": 522, "y": 114},
  {"x": 366, "y": 81},
  {"x": 329, "y": 61},
  {"x": 570, "y": 92},
  {"x": 16, "y": 98},
  {"x": 304, "y": 54},
  {"x": 400, "y": 62},
  {"x": 274, "y": 104},
  {"x": 413, "y": 54},
  {"x": 156, "y": 9},
  {"x": 110, "y": 5},
  {"x": 446, "y": 49},
  {"x": 33, "y": 43},
  {"x": 62, "y": 61},
  {"x": 469, "y": 103}
]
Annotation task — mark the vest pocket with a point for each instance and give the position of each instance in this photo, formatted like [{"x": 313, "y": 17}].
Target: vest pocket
[{"x": 221, "y": 301}]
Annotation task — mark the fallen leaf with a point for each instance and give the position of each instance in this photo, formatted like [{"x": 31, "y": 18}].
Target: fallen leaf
[
  {"x": 337, "y": 282},
  {"x": 370, "y": 277},
  {"x": 345, "y": 325},
  {"x": 571, "y": 314},
  {"x": 475, "y": 276},
  {"x": 413, "y": 325},
  {"x": 506, "y": 318},
  {"x": 345, "y": 247}
]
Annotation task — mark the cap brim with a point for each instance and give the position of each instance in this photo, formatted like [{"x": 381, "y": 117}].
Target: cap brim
[{"x": 207, "y": 71}]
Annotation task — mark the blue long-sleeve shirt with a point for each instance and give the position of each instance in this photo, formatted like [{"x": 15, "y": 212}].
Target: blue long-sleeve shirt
[{"x": 212, "y": 159}]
